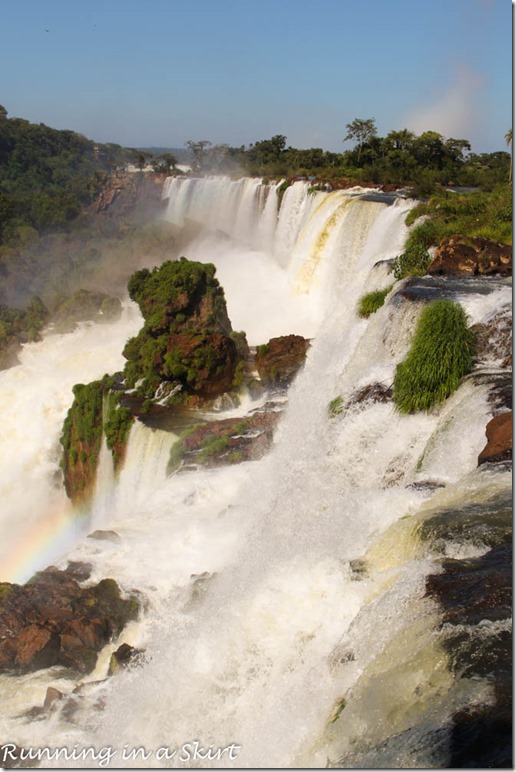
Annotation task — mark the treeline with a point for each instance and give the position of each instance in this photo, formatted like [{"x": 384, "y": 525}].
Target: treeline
[
  {"x": 401, "y": 158},
  {"x": 47, "y": 176}
]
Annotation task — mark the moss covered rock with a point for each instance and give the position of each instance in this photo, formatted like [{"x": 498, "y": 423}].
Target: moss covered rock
[
  {"x": 186, "y": 340},
  {"x": 95, "y": 411}
]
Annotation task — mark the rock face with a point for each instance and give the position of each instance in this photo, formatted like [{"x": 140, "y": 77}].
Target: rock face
[
  {"x": 52, "y": 620},
  {"x": 228, "y": 441},
  {"x": 471, "y": 256},
  {"x": 81, "y": 440},
  {"x": 279, "y": 360},
  {"x": 472, "y": 593},
  {"x": 96, "y": 411},
  {"x": 493, "y": 340},
  {"x": 499, "y": 439},
  {"x": 186, "y": 346}
]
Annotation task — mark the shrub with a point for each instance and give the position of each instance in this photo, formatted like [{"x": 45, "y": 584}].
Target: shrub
[
  {"x": 413, "y": 262},
  {"x": 440, "y": 355},
  {"x": 371, "y": 302}
]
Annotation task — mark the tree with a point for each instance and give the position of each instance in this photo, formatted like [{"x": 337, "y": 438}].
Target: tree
[
  {"x": 198, "y": 150},
  {"x": 508, "y": 140},
  {"x": 164, "y": 163},
  {"x": 362, "y": 130}
]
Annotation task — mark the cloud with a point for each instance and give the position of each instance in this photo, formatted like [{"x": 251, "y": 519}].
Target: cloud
[{"x": 456, "y": 112}]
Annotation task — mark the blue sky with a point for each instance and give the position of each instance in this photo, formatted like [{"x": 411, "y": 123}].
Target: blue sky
[{"x": 161, "y": 72}]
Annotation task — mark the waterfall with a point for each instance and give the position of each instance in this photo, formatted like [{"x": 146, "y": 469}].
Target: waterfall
[{"x": 310, "y": 639}]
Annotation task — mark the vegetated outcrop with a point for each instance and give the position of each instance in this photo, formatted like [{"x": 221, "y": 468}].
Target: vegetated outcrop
[
  {"x": 96, "y": 411},
  {"x": 471, "y": 256},
  {"x": 52, "y": 620},
  {"x": 279, "y": 360},
  {"x": 186, "y": 351},
  {"x": 228, "y": 441}
]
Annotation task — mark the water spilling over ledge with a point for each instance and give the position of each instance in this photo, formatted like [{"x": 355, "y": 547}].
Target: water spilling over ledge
[{"x": 287, "y": 610}]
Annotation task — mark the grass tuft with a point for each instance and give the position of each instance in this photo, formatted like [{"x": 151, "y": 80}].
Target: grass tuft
[
  {"x": 440, "y": 355},
  {"x": 370, "y": 303}
]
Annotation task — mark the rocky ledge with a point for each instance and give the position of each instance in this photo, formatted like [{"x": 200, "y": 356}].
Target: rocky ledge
[
  {"x": 52, "y": 620},
  {"x": 471, "y": 256},
  {"x": 228, "y": 441}
]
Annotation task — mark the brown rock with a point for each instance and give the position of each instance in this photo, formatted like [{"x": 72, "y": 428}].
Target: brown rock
[
  {"x": 52, "y": 695},
  {"x": 209, "y": 360},
  {"x": 471, "y": 256},
  {"x": 36, "y": 647},
  {"x": 52, "y": 620},
  {"x": 499, "y": 439},
  {"x": 279, "y": 360},
  {"x": 228, "y": 441}
]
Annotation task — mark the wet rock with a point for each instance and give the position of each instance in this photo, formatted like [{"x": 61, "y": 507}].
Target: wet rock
[
  {"x": 424, "y": 289},
  {"x": 52, "y": 620},
  {"x": 228, "y": 441},
  {"x": 473, "y": 595},
  {"x": 79, "y": 570},
  {"x": 52, "y": 695},
  {"x": 471, "y": 256},
  {"x": 124, "y": 656},
  {"x": 279, "y": 360},
  {"x": 499, "y": 439},
  {"x": 493, "y": 339},
  {"x": 373, "y": 392},
  {"x": 476, "y": 589},
  {"x": 100, "y": 535}
]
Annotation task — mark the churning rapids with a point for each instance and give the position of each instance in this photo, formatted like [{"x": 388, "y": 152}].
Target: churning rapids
[{"x": 313, "y": 642}]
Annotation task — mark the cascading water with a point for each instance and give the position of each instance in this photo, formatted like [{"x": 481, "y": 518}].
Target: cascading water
[{"x": 285, "y": 623}]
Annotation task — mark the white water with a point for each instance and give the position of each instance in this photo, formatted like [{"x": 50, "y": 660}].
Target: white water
[{"x": 283, "y": 630}]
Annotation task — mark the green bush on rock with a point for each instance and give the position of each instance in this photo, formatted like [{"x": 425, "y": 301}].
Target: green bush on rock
[{"x": 440, "y": 355}]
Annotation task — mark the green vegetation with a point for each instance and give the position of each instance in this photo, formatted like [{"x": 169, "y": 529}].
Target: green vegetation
[
  {"x": 335, "y": 407},
  {"x": 81, "y": 438},
  {"x": 47, "y": 176},
  {"x": 486, "y": 214},
  {"x": 212, "y": 445},
  {"x": 426, "y": 162},
  {"x": 17, "y": 327},
  {"x": 118, "y": 421},
  {"x": 371, "y": 302},
  {"x": 186, "y": 339},
  {"x": 176, "y": 456},
  {"x": 440, "y": 355}
]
